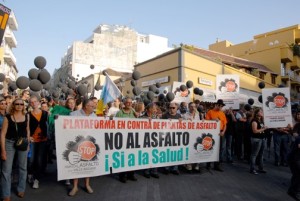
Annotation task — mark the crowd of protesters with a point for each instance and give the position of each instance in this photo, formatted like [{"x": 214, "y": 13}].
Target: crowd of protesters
[{"x": 243, "y": 136}]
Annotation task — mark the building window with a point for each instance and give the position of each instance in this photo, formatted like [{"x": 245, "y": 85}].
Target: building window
[
  {"x": 262, "y": 75},
  {"x": 273, "y": 79}
]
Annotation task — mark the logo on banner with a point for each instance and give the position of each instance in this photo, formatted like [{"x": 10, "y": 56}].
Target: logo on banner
[
  {"x": 184, "y": 93},
  {"x": 229, "y": 85},
  {"x": 204, "y": 143},
  {"x": 82, "y": 149},
  {"x": 277, "y": 100}
]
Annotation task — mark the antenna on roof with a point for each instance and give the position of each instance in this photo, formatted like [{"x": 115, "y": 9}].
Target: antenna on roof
[{"x": 217, "y": 40}]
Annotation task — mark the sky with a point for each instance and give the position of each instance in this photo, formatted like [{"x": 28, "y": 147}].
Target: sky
[{"x": 47, "y": 28}]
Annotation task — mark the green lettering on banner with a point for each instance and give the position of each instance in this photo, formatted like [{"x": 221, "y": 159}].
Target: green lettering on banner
[
  {"x": 167, "y": 156},
  {"x": 131, "y": 160},
  {"x": 118, "y": 158},
  {"x": 106, "y": 163},
  {"x": 155, "y": 156},
  {"x": 143, "y": 158}
]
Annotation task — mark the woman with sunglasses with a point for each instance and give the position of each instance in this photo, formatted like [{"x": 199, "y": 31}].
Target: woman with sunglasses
[{"x": 15, "y": 125}]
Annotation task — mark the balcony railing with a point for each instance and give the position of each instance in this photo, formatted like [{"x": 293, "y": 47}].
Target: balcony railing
[
  {"x": 9, "y": 56},
  {"x": 10, "y": 38}
]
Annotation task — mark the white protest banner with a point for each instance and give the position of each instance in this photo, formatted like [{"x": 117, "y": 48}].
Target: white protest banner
[
  {"x": 277, "y": 107},
  {"x": 94, "y": 146},
  {"x": 228, "y": 87}
]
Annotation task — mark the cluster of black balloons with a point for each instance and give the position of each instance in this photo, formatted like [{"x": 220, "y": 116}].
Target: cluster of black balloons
[
  {"x": 37, "y": 79},
  {"x": 153, "y": 90}
]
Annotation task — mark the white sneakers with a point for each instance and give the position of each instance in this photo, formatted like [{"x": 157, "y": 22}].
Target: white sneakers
[{"x": 35, "y": 184}]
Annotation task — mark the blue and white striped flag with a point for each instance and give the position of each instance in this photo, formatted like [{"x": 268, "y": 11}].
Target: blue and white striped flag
[{"x": 109, "y": 93}]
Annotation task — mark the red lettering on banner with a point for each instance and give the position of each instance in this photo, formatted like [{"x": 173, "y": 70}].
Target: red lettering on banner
[
  {"x": 66, "y": 123},
  {"x": 121, "y": 124}
]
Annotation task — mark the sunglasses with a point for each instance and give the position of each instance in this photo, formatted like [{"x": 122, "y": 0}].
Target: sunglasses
[
  {"x": 3, "y": 103},
  {"x": 172, "y": 108},
  {"x": 19, "y": 104}
]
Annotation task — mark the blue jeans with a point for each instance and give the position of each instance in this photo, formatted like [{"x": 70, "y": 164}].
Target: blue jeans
[
  {"x": 7, "y": 169},
  {"x": 257, "y": 151},
  {"x": 281, "y": 146}
]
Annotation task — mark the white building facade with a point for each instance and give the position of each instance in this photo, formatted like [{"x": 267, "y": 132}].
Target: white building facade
[
  {"x": 110, "y": 46},
  {"x": 9, "y": 61}
]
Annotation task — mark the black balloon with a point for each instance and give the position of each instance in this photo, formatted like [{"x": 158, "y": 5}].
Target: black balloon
[
  {"x": 43, "y": 94},
  {"x": 196, "y": 90},
  {"x": 104, "y": 72},
  {"x": 82, "y": 89},
  {"x": 1, "y": 86},
  {"x": 55, "y": 94},
  {"x": 260, "y": 98},
  {"x": 35, "y": 85},
  {"x": 64, "y": 89},
  {"x": 40, "y": 62},
  {"x": 46, "y": 86},
  {"x": 152, "y": 88},
  {"x": 157, "y": 91},
  {"x": 136, "y": 75},
  {"x": 44, "y": 76},
  {"x": 133, "y": 83},
  {"x": 136, "y": 91},
  {"x": 33, "y": 73},
  {"x": 250, "y": 101},
  {"x": 92, "y": 66},
  {"x": 261, "y": 85},
  {"x": 22, "y": 82},
  {"x": 247, "y": 107},
  {"x": 182, "y": 87},
  {"x": 189, "y": 84},
  {"x": 146, "y": 101},
  {"x": 161, "y": 97},
  {"x": 170, "y": 96},
  {"x": 12, "y": 85},
  {"x": 200, "y": 92},
  {"x": 70, "y": 92},
  {"x": 71, "y": 85},
  {"x": 150, "y": 95},
  {"x": 2, "y": 77},
  {"x": 97, "y": 87},
  {"x": 158, "y": 85},
  {"x": 165, "y": 91},
  {"x": 60, "y": 85}
]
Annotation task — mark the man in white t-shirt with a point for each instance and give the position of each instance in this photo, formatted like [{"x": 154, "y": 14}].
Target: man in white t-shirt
[{"x": 114, "y": 108}]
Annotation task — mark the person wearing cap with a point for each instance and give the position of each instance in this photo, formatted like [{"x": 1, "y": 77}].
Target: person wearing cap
[{"x": 218, "y": 115}]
